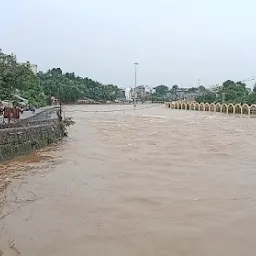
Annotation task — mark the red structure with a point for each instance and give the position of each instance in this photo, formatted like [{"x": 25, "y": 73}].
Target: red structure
[{"x": 12, "y": 113}]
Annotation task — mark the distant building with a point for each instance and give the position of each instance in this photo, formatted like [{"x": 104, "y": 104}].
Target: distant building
[
  {"x": 128, "y": 95},
  {"x": 148, "y": 93},
  {"x": 138, "y": 92},
  {"x": 191, "y": 96},
  {"x": 141, "y": 91},
  {"x": 184, "y": 94}
]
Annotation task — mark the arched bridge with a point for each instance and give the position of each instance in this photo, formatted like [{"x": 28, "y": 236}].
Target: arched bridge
[{"x": 213, "y": 107}]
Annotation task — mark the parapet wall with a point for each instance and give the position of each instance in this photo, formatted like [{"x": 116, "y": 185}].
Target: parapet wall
[
  {"x": 214, "y": 107},
  {"x": 44, "y": 116},
  {"x": 23, "y": 140}
]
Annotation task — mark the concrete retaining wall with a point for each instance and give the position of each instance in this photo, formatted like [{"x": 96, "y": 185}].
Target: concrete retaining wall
[{"x": 23, "y": 140}]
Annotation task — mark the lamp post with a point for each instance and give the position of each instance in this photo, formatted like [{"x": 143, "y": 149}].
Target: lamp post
[{"x": 135, "y": 82}]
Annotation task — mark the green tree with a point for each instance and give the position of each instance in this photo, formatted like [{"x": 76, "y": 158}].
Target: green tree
[
  {"x": 69, "y": 87},
  {"x": 162, "y": 89},
  {"x": 232, "y": 92},
  {"x": 229, "y": 92},
  {"x": 18, "y": 78},
  {"x": 192, "y": 89},
  {"x": 201, "y": 89},
  {"x": 251, "y": 98},
  {"x": 254, "y": 88},
  {"x": 208, "y": 96}
]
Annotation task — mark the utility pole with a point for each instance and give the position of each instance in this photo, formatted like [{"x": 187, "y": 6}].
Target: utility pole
[
  {"x": 60, "y": 100},
  {"x": 135, "y": 82}
]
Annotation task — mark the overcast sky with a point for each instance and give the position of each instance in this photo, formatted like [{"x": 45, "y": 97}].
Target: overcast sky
[{"x": 175, "y": 41}]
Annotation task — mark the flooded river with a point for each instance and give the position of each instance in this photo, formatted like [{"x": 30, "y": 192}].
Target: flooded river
[{"x": 148, "y": 182}]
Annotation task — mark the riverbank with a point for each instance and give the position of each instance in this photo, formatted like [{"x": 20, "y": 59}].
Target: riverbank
[{"x": 36, "y": 131}]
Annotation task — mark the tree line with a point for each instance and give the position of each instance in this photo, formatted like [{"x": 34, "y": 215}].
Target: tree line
[
  {"x": 69, "y": 87},
  {"x": 228, "y": 92},
  {"x": 16, "y": 78}
]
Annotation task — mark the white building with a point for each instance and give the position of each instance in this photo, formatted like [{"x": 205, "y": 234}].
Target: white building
[{"x": 128, "y": 93}]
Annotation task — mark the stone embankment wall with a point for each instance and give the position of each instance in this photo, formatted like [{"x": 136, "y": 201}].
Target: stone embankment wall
[
  {"x": 213, "y": 107},
  {"x": 27, "y": 136},
  {"x": 23, "y": 140}
]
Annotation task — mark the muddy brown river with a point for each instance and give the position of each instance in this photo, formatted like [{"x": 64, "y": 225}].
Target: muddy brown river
[{"x": 145, "y": 182}]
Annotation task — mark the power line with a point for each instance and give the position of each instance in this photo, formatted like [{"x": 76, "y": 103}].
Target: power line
[{"x": 249, "y": 79}]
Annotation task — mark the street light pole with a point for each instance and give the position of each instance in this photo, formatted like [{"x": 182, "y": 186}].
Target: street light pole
[{"x": 135, "y": 82}]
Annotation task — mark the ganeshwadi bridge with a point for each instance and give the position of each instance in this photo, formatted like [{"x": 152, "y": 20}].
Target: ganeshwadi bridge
[{"x": 213, "y": 107}]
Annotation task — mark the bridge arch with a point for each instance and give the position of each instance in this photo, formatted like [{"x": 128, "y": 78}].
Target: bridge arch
[
  {"x": 207, "y": 106},
  {"x": 218, "y": 107},
  {"x": 183, "y": 105},
  {"x": 231, "y": 109},
  {"x": 197, "y": 106},
  {"x": 202, "y": 107},
  {"x": 192, "y": 106},
  {"x": 246, "y": 109},
  {"x": 253, "y": 109},
  {"x": 212, "y": 107},
  {"x": 224, "y": 108},
  {"x": 238, "y": 109}
]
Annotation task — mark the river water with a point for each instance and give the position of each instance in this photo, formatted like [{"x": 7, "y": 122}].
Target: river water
[{"x": 151, "y": 181}]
